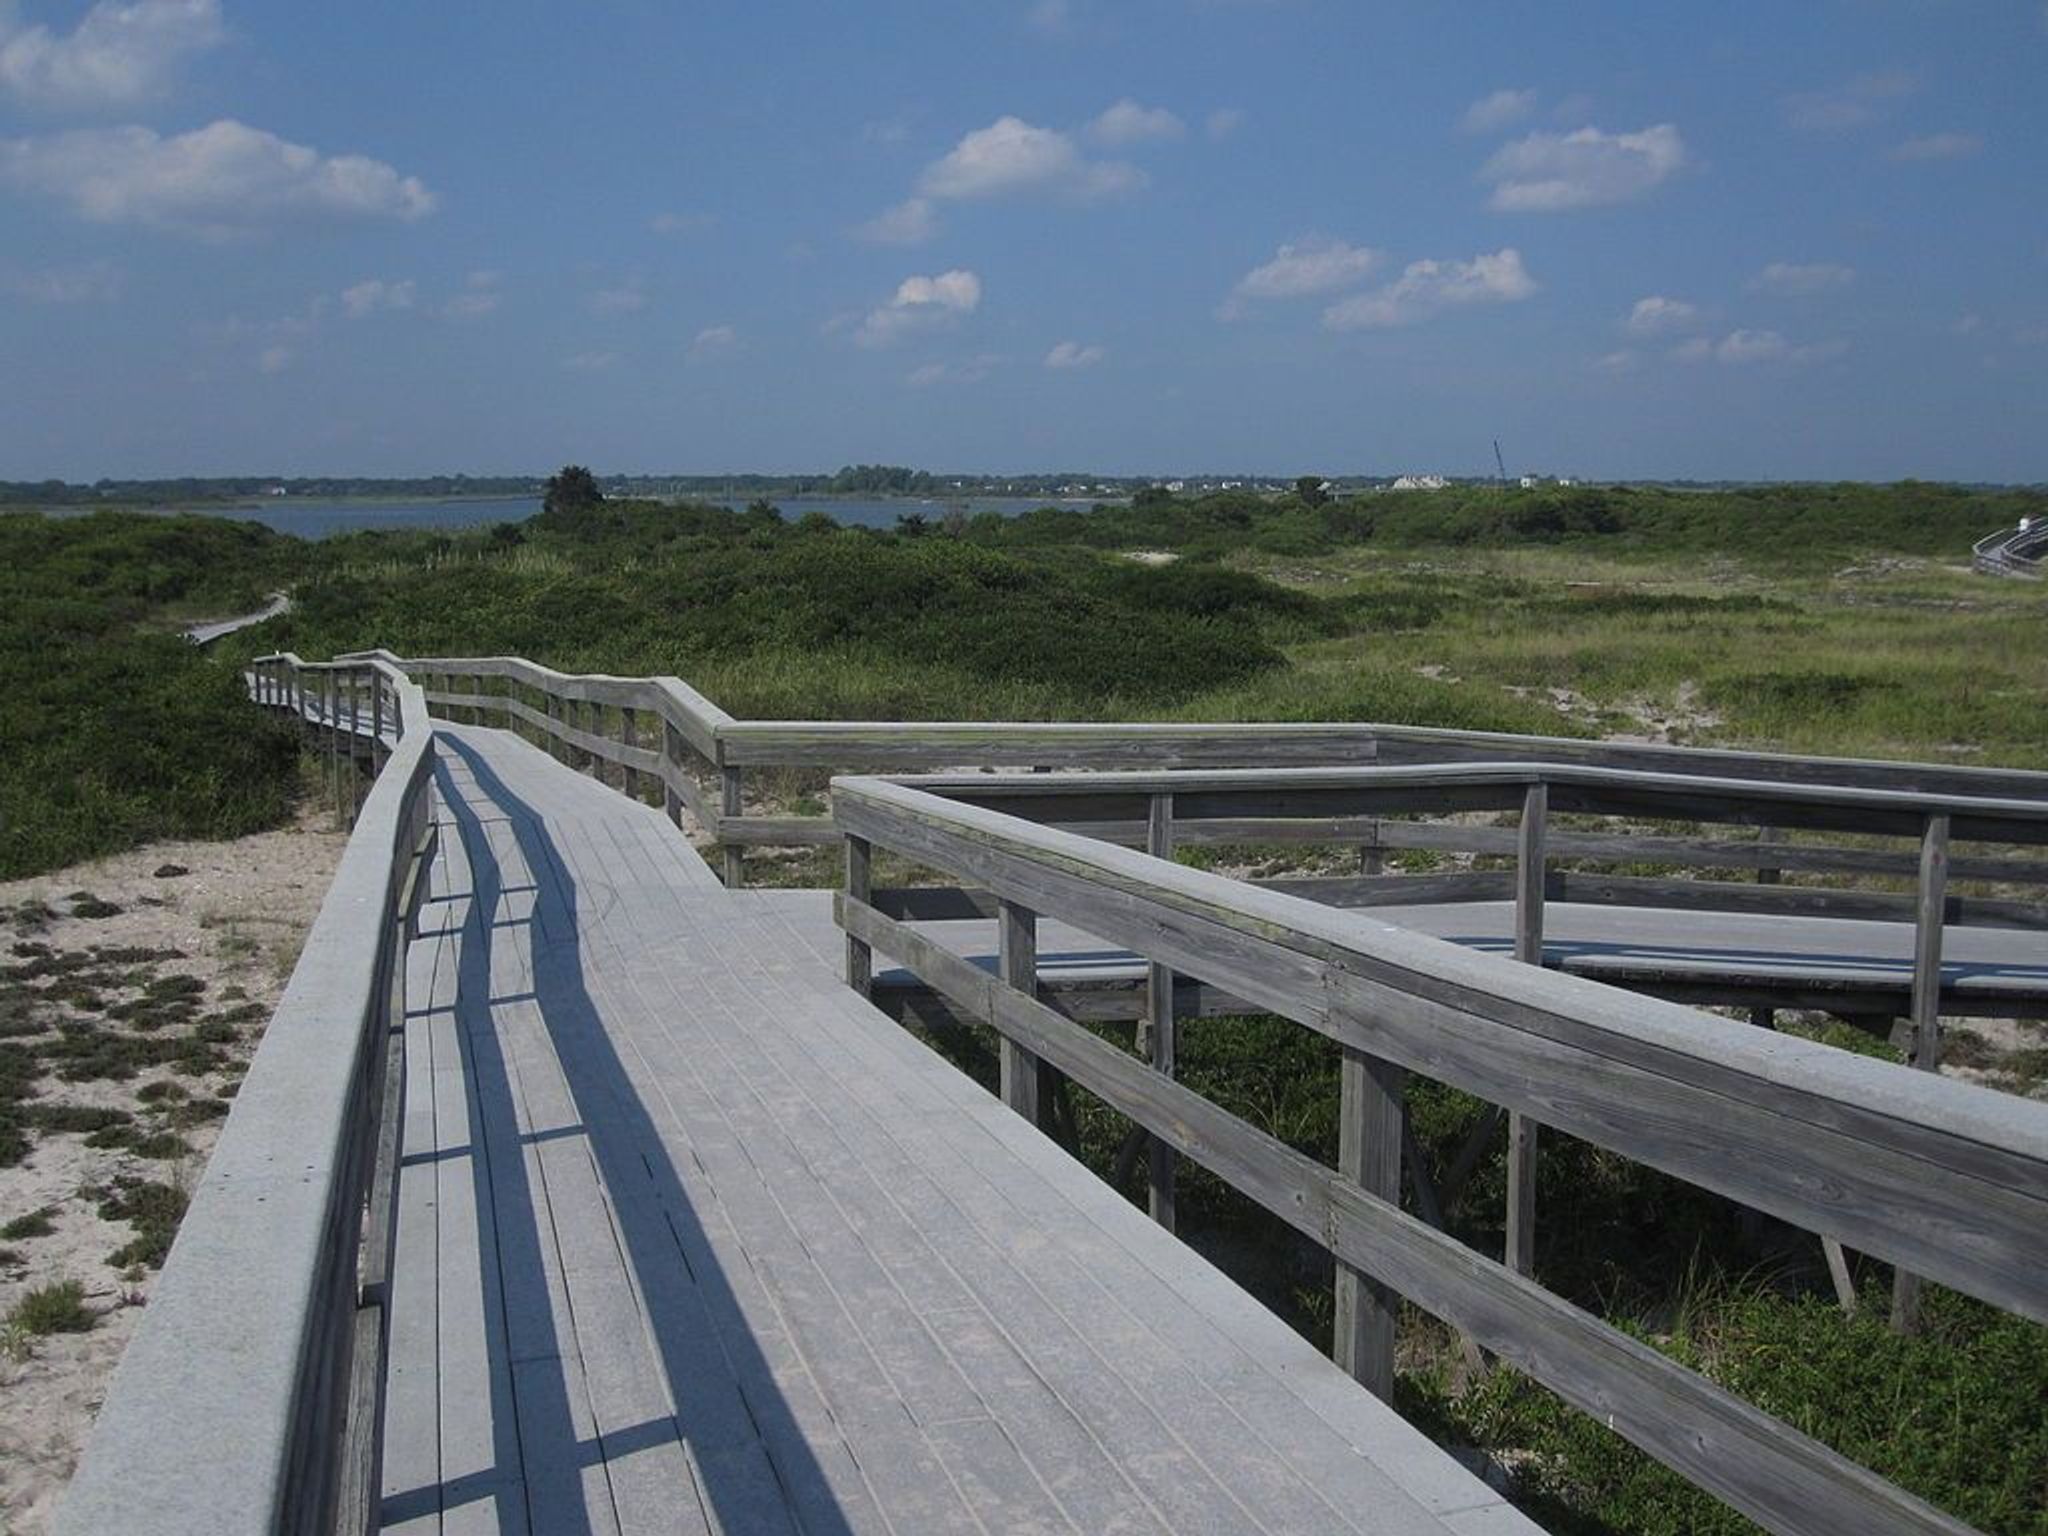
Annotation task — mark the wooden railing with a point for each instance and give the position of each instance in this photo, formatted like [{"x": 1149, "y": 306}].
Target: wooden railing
[
  {"x": 249, "y": 1399},
  {"x": 1946, "y": 1180},
  {"x": 2016, "y": 551},
  {"x": 660, "y": 732}
]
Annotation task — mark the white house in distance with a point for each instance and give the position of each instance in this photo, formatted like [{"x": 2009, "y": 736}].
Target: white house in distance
[{"x": 1419, "y": 483}]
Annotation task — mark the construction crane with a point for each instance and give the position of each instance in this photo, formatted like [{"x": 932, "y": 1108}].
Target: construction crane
[{"x": 1499, "y": 463}]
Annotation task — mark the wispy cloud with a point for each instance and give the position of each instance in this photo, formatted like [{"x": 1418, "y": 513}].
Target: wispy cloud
[
  {"x": 1127, "y": 122},
  {"x": 590, "y": 362},
  {"x": 1853, "y": 104},
  {"x": 1554, "y": 172},
  {"x": 119, "y": 55},
  {"x": 1794, "y": 279},
  {"x": 1500, "y": 109},
  {"x": 1658, "y": 315},
  {"x": 480, "y": 297},
  {"x": 1302, "y": 269},
  {"x": 92, "y": 282},
  {"x": 1742, "y": 347},
  {"x": 220, "y": 180},
  {"x": 274, "y": 359},
  {"x": 1222, "y": 123},
  {"x": 681, "y": 223},
  {"x": 1427, "y": 288},
  {"x": 1072, "y": 354},
  {"x": 713, "y": 338},
  {"x": 361, "y": 300},
  {"x": 920, "y": 303},
  {"x": 970, "y": 370},
  {"x": 1937, "y": 146},
  {"x": 1013, "y": 156},
  {"x": 910, "y": 222},
  {"x": 622, "y": 298}
]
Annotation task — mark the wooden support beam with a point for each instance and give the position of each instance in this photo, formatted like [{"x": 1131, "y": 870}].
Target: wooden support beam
[
  {"x": 1157, "y": 1031},
  {"x": 1925, "y": 1055},
  {"x": 731, "y": 802},
  {"x": 1529, "y": 862},
  {"x": 672, "y": 750},
  {"x": 1369, "y": 1122},
  {"x": 1027, "y": 1083},
  {"x": 860, "y": 885}
]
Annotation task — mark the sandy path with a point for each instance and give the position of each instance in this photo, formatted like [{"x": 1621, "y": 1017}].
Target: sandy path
[{"x": 239, "y": 915}]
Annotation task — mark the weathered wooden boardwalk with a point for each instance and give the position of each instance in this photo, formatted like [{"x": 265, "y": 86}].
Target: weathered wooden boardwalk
[
  {"x": 691, "y": 1238},
  {"x": 575, "y": 1188}
]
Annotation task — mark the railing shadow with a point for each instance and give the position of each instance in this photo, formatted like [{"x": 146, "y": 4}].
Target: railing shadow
[{"x": 743, "y": 1453}]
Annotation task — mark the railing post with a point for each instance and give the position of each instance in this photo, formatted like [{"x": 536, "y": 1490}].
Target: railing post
[
  {"x": 860, "y": 887},
  {"x": 1926, "y": 1056},
  {"x": 629, "y": 736},
  {"x": 1156, "y": 1032},
  {"x": 1529, "y": 862},
  {"x": 730, "y": 803},
  {"x": 1764, "y": 1016},
  {"x": 1369, "y": 1154},
  {"x": 377, "y": 753},
  {"x": 333, "y": 712},
  {"x": 672, "y": 754},
  {"x": 1027, "y": 1083}
]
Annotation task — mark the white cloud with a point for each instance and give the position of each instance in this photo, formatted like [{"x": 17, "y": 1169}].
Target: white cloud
[
  {"x": 1624, "y": 361},
  {"x": 969, "y": 371},
  {"x": 1129, "y": 123},
  {"x": 909, "y": 222},
  {"x": 215, "y": 181},
  {"x": 1222, "y": 123},
  {"x": 374, "y": 294},
  {"x": 1792, "y": 279},
  {"x": 117, "y": 56},
  {"x": 1425, "y": 288},
  {"x": 274, "y": 359},
  {"x": 62, "y": 285},
  {"x": 1657, "y": 315},
  {"x": 1937, "y": 146},
  {"x": 1072, "y": 354},
  {"x": 713, "y": 338},
  {"x": 1308, "y": 267},
  {"x": 1011, "y": 155},
  {"x": 1746, "y": 346},
  {"x": 1552, "y": 172},
  {"x": 480, "y": 297},
  {"x": 1860, "y": 101},
  {"x": 590, "y": 362},
  {"x": 681, "y": 223},
  {"x": 920, "y": 302},
  {"x": 1491, "y": 113},
  {"x": 623, "y": 298},
  {"x": 1052, "y": 17}
]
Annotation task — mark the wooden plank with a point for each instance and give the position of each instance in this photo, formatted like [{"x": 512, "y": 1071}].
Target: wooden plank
[
  {"x": 1158, "y": 1033},
  {"x": 1759, "y": 1465},
  {"x": 1017, "y": 966},
  {"x": 1522, "y": 1130},
  {"x": 860, "y": 959}
]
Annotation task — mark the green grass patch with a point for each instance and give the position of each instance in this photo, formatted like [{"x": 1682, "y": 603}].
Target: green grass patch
[{"x": 56, "y": 1308}]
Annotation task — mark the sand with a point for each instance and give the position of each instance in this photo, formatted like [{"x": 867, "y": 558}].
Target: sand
[{"x": 239, "y": 915}]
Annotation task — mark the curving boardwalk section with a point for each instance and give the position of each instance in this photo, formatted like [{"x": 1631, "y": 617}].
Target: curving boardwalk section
[{"x": 691, "y": 1238}]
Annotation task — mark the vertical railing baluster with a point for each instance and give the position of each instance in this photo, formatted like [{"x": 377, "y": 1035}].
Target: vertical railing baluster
[
  {"x": 1028, "y": 1085},
  {"x": 730, "y": 803},
  {"x": 672, "y": 755},
  {"x": 1926, "y": 1050},
  {"x": 860, "y": 887},
  {"x": 1529, "y": 872},
  {"x": 1368, "y": 1154},
  {"x": 1157, "y": 1032}
]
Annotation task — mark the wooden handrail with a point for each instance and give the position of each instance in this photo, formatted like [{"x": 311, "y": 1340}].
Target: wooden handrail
[
  {"x": 1946, "y": 1179},
  {"x": 227, "y": 1413}
]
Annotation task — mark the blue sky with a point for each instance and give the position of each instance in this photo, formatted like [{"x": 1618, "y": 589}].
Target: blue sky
[{"x": 1647, "y": 239}]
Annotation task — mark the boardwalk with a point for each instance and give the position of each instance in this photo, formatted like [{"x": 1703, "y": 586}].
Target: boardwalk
[{"x": 690, "y": 1238}]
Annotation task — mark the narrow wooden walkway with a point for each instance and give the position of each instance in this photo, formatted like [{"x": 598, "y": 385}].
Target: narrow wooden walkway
[{"x": 690, "y": 1238}]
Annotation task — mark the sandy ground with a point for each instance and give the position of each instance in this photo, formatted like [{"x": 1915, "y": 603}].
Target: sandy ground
[{"x": 239, "y": 916}]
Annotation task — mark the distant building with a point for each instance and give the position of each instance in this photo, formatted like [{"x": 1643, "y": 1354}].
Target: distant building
[
  {"x": 1419, "y": 483},
  {"x": 1528, "y": 482}
]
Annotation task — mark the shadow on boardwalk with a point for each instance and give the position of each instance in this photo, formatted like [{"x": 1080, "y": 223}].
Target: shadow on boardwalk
[{"x": 741, "y": 1457}]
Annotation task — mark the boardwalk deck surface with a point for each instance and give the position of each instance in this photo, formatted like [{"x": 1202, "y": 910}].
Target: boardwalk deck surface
[
  {"x": 1983, "y": 969},
  {"x": 690, "y": 1238}
]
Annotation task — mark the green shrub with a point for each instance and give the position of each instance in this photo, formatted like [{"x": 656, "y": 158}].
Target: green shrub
[{"x": 55, "y": 1308}]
